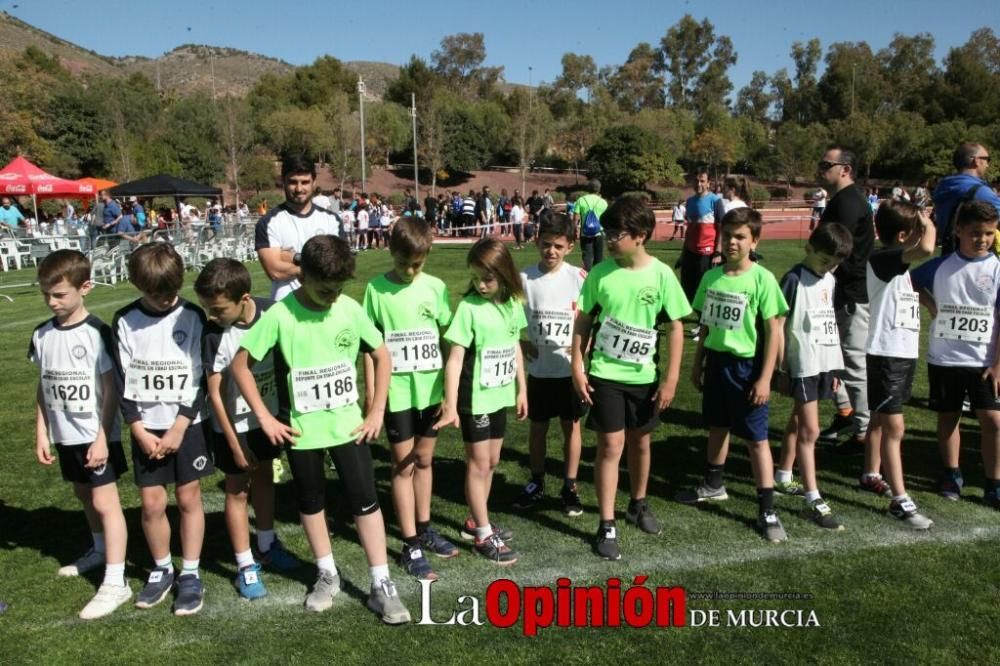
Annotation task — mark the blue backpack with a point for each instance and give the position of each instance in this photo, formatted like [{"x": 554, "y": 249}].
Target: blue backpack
[{"x": 591, "y": 224}]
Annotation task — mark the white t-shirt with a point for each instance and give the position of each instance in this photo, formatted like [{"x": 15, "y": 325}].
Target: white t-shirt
[
  {"x": 283, "y": 229},
  {"x": 322, "y": 201},
  {"x": 550, "y": 308},
  {"x": 362, "y": 220},
  {"x": 967, "y": 294},
  {"x": 812, "y": 341},
  {"x": 733, "y": 204},
  {"x": 679, "y": 214},
  {"x": 894, "y": 327},
  {"x": 347, "y": 219},
  {"x": 71, "y": 361},
  {"x": 516, "y": 215}
]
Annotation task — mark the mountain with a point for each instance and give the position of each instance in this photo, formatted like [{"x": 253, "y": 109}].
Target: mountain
[{"x": 185, "y": 69}]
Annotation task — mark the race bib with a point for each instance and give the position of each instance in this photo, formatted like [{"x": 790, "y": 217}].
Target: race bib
[
  {"x": 169, "y": 381},
  {"x": 497, "y": 366},
  {"x": 414, "y": 351},
  {"x": 907, "y": 311},
  {"x": 69, "y": 390},
  {"x": 627, "y": 343},
  {"x": 325, "y": 387},
  {"x": 265, "y": 386},
  {"x": 724, "y": 309},
  {"x": 823, "y": 327},
  {"x": 967, "y": 323},
  {"x": 551, "y": 328}
]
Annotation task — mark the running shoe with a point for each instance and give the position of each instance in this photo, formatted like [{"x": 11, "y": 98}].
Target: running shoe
[
  {"x": 606, "y": 543},
  {"x": 788, "y": 487},
  {"x": 413, "y": 560},
  {"x": 432, "y": 542},
  {"x": 951, "y": 486},
  {"x": 106, "y": 601},
  {"x": 571, "y": 501},
  {"x": 840, "y": 425},
  {"x": 991, "y": 499},
  {"x": 468, "y": 531},
  {"x": 87, "y": 562},
  {"x": 494, "y": 549},
  {"x": 531, "y": 496},
  {"x": 384, "y": 601},
  {"x": 190, "y": 595},
  {"x": 279, "y": 558},
  {"x": 770, "y": 527},
  {"x": 156, "y": 589},
  {"x": 320, "y": 598},
  {"x": 642, "y": 517},
  {"x": 875, "y": 485},
  {"x": 702, "y": 493},
  {"x": 249, "y": 583},
  {"x": 906, "y": 511},
  {"x": 820, "y": 513}
]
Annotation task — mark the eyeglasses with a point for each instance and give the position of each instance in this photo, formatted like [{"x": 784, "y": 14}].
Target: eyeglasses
[
  {"x": 614, "y": 238},
  {"x": 825, "y": 166},
  {"x": 985, "y": 158}
]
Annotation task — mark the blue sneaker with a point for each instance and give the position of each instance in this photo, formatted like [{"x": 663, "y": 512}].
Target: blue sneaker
[
  {"x": 278, "y": 558},
  {"x": 190, "y": 595},
  {"x": 413, "y": 560},
  {"x": 249, "y": 584},
  {"x": 951, "y": 486},
  {"x": 433, "y": 542},
  {"x": 156, "y": 589}
]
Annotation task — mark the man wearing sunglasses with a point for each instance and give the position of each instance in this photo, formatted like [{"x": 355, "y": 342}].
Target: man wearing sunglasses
[
  {"x": 849, "y": 207},
  {"x": 972, "y": 161}
]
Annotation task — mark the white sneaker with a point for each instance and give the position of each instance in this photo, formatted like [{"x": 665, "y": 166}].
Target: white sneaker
[
  {"x": 107, "y": 599},
  {"x": 87, "y": 562},
  {"x": 326, "y": 588},
  {"x": 906, "y": 511},
  {"x": 385, "y": 602}
]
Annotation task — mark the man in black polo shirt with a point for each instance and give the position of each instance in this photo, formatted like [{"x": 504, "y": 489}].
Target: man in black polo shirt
[{"x": 849, "y": 207}]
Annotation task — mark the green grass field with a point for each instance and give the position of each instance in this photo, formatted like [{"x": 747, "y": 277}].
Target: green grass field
[{"x": 879, "y": 591}]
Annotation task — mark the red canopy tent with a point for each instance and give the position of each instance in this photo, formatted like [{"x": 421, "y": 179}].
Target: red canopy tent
[{"x": 22, "y": 178}]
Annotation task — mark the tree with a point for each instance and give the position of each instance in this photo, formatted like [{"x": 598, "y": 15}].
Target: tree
[
  {"x": 675, "y": 127},
  {"x": 754, "y": 101},
  {"x": 635, "y": 85},
  {"x": 696, "y": 62},
  {"x": 415, "y": 77},
  {"x": 628, "y": 157},
  {"x": 852, "y": 81},
  {"x": 531, "y": 125},
  {"x": 972, "y": 79},
  {"x": 387, "y": 130},
  {"x": 579, "y": 72},
  {"x": 460, "y": 62},
  {"x": 910, "y": 72},
  {"x": 237, "y": 137},
  {"x": 298, "y": 131},
  {"x": 797, "y": 148}
]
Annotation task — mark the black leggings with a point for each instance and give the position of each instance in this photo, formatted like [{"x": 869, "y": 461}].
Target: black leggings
[{"x": 354, "y": 467}]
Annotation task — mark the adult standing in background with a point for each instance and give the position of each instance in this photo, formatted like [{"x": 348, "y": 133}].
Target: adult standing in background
[
  {"x": 849, "y": 206},
  {"x": 283, "y": 230},
  {"x": 587, "y": 212},
  {"x": 335, "y": 200},
  {"x": 971, "y": 161},
  {"x": 819, "y": 205},
  {"x": 320, "y": 200},
  {"x": 111, "y": 214},
  {"x": 703, "y": 213},
  {"x": 10, "y": 214}
]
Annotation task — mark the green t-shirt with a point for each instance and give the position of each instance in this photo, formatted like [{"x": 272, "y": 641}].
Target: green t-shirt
[
  {"x": 490, "y": 333},
  {"x": 731, "y": 306},
  {"x": 627, "y": 305},
  {"x": 316, "y": 373},
  {"x": 409, "y": 317}
]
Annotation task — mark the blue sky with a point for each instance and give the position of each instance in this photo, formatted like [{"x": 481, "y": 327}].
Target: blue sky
[{"x": 519, "y": 33}]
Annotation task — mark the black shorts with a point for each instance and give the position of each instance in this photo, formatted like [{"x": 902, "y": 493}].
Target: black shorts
[
  {"x": 409, "y": 423},
  {"x": 481, "y": 427},
  {"x": 554, "y": 397},
  {"x": 189, "y": 463},
  {"x": 354, "y": 468},
  {"x": 890, "y": 381},
  {"x": 816, "y": 387},
  {"x": 73, "y": 460},
  {"x": 693, "y": 267},
  {"x": 255, "y": 441},
  {"x": 949, "y": 387},
  {"x": 619, "y": 406},
  {"x": 725, "y": 398}
]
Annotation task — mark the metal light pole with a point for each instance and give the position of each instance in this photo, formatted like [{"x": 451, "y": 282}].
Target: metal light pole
[
  {"x": 361, "y": 108},
  {"x": 854, "y": 71},
  {"x": 416, "y": 172}
]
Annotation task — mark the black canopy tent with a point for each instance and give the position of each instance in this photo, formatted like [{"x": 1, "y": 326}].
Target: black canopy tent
[{"x": 165, "y": 185}]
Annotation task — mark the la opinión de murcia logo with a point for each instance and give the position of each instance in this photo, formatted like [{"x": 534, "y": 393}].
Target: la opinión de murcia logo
[{"x": 615, "y": 604}]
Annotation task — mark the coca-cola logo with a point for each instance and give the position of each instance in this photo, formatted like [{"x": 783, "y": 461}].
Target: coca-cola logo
[
  {"x": 8, "y": 176},
  {"x": 15, "y": 189},
  {"x": 44, "y": 189}
]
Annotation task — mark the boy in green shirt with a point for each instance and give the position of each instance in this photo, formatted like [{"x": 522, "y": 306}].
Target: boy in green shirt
[
  {"x": 316, "y": 334},
  {"x": 622, "y": 303},
  {"x": 733, "y": 368},
  {"x": 408, "y": 307}
]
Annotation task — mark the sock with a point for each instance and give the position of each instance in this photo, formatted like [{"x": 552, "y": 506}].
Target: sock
[
  {"x": 190, "y": 567},
  {"x": 783, "y": 475},
  {"x": 412, "y": 541},
  {"x": 244, "y": 559},
  {"x": 765, "y": 499},
  {"x": 713, "y": 475},
  {"x": 114, "y": 574},
  {"x": 635, "y": 502},
  {"x": 607, "y": 525},
  {"x": 265, "y": 539},
  {"x": 868, "y": 475},
  {"x": 165, "y": 563},
  {"x": 899, "y": 499},
  {"x": 422, "y": 526},
  {"x": 483, "y": 533},
  {"x": 538, "y": 479},
  {"x": 845, "y": 411},
  {"x": 812, "y": 495},
  {"x": 379, "y": 573},
  {"x": 569, "y": 483},
  {"x": 326, "y": 563},
  {"x": 98, "y": 537}
]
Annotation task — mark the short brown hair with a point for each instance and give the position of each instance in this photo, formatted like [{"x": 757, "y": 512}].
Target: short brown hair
[
  {"x": 156, "y": 268},
  {"x": 833, "y": 239},
  {"x": 223, "y": 276},
  {"x": 973, "y": 212},
  {"x": 327, "y": 258},
  {"x": 744, "y": 217},
  {"x": 895, "y": 217},
  {"x": 631, "y": 215},
  {"x": 492, "y": 255},
  {"x": 411, "y": 238},
  {"x": 72, "y": 265}
]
